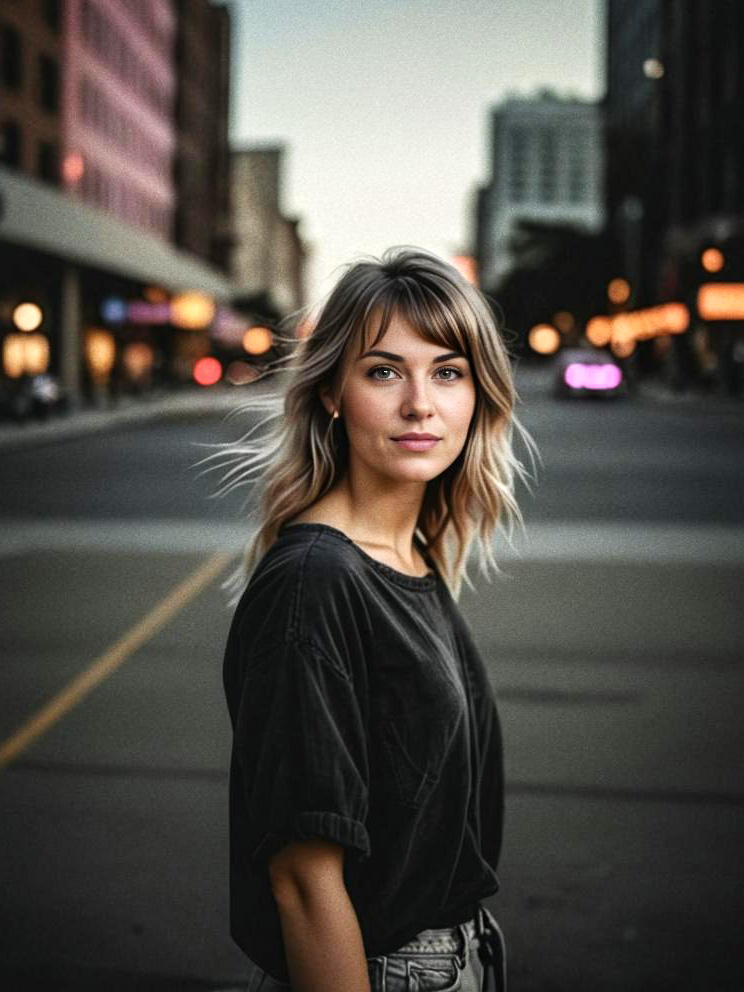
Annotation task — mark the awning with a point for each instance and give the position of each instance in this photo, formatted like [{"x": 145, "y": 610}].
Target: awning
[{"x": 35, "y": 215}]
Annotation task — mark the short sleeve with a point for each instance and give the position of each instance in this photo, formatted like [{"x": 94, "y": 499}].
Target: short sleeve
[{"x": 300, "y": 745}]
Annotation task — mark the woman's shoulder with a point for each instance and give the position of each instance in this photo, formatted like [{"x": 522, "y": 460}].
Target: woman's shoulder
[
  {"x": 306, "y": 566},
  {"x": 304, "y": 590}
]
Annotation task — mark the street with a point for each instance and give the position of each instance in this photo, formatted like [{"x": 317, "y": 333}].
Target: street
[{"x": 613, "y": 638}]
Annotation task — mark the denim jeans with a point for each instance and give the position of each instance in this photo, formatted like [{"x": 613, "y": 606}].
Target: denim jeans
[{"x": 434, "y": 961}]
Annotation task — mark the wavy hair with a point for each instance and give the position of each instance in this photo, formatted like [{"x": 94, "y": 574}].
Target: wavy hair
[{"x": 299, "y": 451}]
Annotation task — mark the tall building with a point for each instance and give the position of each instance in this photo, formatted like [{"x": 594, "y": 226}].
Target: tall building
[
  {"x": 674, "y": 98},
  {"x": 675, "y": 179},
  {"x": 634, "y": 184},
  {"x": 546, "y": 167},
  {"x": 268, "y": 254},
  {"x": 202, "y": 163},
  {"x": 701, "y": 140},
  {"x": 30, "y": 103},
  {"x": 118, "y": 108}
]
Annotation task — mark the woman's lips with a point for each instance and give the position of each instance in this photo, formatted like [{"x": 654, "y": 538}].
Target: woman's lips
[{"x": 412, "y": 445}]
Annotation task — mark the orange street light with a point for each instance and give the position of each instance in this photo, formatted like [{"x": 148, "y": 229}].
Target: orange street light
[
  {"x": 257, "y": 340},
  {"x": 712, "y": 260},
  {"x": 544, "y": 339},
  {"x": 721, "y": 301},
  {"x": 618, "y": 290},
  {"x": 192, "y": 310}
]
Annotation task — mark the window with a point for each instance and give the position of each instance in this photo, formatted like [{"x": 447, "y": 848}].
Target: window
[
  {"x": 87, "y": 20},
  {"x": 48, "y": 163},
  {"x": 11, "y": 57},
  {"x": 50, "y": 10},
  {"x": 575, "y": 188},
  {"x": 10, "y": 143},
  {"x": 577, "y": 178},
  {"x": 548, "y": 165},
  {"x": 48, "y": 83}
]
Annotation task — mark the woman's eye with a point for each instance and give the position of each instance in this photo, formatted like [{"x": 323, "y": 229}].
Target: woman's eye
[
  {"x": 386, "y": 368},
  {"x": 379, "y": 368},
  {"x": 457, "y": 375}
]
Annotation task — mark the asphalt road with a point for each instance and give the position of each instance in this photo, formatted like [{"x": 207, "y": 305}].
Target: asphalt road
[{"x": 614, "y": 639}]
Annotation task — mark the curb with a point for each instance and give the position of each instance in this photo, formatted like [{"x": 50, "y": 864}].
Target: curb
[{"x": 81, "y": 423}]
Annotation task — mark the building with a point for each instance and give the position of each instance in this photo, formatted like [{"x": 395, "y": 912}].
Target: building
[
  {"x": 30, "y": 100},
  {"x": 202, "y": 162},
  {"x": 268, "y": 255},
  {"x": 119, "y": 87},
  {"x": 675, "y": 178},
  {"x": 546, "y": 167},
  {"x": 91, "y": 85}
]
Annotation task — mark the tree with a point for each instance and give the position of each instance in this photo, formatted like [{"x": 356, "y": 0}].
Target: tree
[{"x": 555, "y": 269}]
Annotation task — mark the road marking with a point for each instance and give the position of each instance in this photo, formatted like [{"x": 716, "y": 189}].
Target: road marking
[{"x": 111, "y": 659}]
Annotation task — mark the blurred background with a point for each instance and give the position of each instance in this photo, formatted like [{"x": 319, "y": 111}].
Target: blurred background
[{"x": 178, "y": 180}]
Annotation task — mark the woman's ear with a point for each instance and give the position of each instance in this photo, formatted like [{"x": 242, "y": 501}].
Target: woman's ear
[{"x": 326, "y": 399}]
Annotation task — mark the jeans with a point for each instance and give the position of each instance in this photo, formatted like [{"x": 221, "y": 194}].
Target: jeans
[{"x": 434, "y": 961}]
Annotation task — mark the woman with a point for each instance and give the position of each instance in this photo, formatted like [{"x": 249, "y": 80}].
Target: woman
[{"x": 366, "y": 784}]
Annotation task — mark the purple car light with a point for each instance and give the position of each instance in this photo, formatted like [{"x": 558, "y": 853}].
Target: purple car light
[{"x": 579, "y": 375}]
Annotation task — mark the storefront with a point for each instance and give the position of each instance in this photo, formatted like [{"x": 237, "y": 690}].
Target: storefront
[{"x": 99, "y": 304}]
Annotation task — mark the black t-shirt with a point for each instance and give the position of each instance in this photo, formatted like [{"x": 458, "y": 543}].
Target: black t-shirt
[{"x": 363, "y": 714}]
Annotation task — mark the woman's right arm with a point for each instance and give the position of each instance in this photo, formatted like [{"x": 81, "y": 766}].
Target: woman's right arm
[{"x": 322, "y": 938}]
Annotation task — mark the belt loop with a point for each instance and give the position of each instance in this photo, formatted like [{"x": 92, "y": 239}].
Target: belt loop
[
  {"x": 465, "y": 947},
  {"x": 492, "y": 951}
]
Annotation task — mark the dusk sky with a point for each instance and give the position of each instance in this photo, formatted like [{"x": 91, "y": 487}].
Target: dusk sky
[{"x": 383, "y": 106}]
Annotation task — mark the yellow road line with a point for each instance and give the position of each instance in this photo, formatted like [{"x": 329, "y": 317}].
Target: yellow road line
[{"x": 111, "y": 659}]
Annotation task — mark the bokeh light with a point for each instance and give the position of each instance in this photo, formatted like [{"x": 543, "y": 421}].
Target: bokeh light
[
  {"x": 623, "y": 347},
  {"x": 207, "y": 371},
  {"x": 712, "y": 260},
  {"x": 73, "y": 167},
  {"x": 653, "y": 68},
  {"x": 544, "y": 339},
  {"x": 100, "y": 353},
  {"x": 618, "y": 291},
  {"x": 257, "y": 340},
  {"x": 599, "y": 331},
  {"x": 192, "y": 311},
  {"x": 564, "y": 321},
  {"x": 27, "y": 316},
  {"x": 25, "y": 353},
  {"x": 138, "y": 358},
  {"x": 721, "y": 301}
]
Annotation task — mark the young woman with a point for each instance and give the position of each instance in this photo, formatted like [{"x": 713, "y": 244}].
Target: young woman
[{"x": 366, "y": 781}]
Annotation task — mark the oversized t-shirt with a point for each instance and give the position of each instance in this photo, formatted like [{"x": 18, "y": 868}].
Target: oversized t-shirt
[{"x": 362, "y": 714}]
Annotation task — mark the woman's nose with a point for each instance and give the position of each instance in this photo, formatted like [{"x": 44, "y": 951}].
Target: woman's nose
[{"x": 417, "y": 399}]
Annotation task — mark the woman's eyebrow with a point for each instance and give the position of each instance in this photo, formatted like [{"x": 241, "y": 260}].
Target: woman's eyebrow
[{"x": 399, "y": 358}]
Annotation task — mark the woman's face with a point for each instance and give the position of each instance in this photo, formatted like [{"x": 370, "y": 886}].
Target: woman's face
[{"x": 415, "y": 388}]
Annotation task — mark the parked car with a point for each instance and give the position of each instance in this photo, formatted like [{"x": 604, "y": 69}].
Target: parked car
[
  {"x": 584, "y": 372},
  {"x": 32, "y": 396}
]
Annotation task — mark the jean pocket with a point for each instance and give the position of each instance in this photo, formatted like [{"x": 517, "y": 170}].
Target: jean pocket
[
  {"x": 435, "y": 976},
  {"x": 414, "y": 777}
]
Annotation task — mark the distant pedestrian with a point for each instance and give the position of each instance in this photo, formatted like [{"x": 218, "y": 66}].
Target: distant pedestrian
[{"x": 366, "y": 781}]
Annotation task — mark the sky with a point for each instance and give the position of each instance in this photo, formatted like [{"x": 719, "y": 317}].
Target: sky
[{"x": 383, "y": 107}]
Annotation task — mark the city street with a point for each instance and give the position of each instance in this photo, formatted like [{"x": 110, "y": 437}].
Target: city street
[{"x": 613, "y": 638}]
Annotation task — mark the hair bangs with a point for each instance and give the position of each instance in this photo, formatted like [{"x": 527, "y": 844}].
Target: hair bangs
[{"x": 434, "y": 319}]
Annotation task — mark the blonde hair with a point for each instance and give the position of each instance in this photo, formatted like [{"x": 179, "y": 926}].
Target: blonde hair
[{"x": 305, "y": 450}]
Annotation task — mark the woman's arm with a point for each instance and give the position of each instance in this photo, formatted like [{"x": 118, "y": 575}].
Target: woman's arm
[{"x": 322, "y": 938}]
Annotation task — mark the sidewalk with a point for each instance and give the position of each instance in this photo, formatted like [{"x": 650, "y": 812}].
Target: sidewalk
[{"x": 160, "y": 405}]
